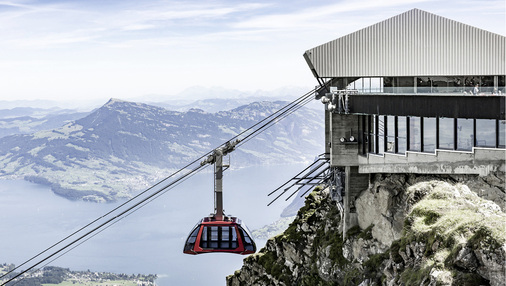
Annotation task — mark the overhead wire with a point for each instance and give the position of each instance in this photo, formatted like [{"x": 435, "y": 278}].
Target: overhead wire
[
  {"x": 296, "y": 182},
  {"x": 265, "y": 123},
  {"x": 283, "y": 113},
  {"x": 104, "y": 224},
  {"x": 168, "y": 188},
  {"x": 317, "y": 175},
  {"x": 103, "y": 216}
]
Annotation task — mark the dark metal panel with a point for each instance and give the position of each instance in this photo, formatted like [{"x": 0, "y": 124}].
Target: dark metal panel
[{"x": 484, "y": 107}]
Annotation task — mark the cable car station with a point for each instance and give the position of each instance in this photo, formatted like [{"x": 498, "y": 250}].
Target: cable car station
[{"x": 416, "y": 93}]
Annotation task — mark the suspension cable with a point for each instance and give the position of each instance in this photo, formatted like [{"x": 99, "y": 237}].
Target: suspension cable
[
  {"x": 163, "y": 191},
  {"x": 105, "y": 215},
  {"x": 283, "y": 113},
  {"x": 118, "y": 216},
  {"x": 249, "y": 133}
]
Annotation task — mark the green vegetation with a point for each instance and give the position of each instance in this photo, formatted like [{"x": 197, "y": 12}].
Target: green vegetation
[
  {"x": 443, "y": 224},
  {"x": 353, "y": 277},
  {"x": 273, "y": 267},
  {"x": 394, "y": 251},
  {"x": 95, "y": 283},
  {"x": 53, "y": 276},
  {"x": 412, "y": 276},
  {"x": 305, "y": 214},
  {"x": 447, "y": 219},
  {"x": 358, "y": 233}
]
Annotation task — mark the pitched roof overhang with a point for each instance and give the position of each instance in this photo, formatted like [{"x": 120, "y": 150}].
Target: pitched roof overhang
[{"x": 414, "y": 43}]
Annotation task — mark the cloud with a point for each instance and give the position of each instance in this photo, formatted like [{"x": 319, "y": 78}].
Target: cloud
[
  {"x": 138, "y": 27},
  {"x": 44, "y": 25},
  {"x": 135, "y": 47},
  {"x": 193, "y": 12},
  {"x": 320, "y": 16}
]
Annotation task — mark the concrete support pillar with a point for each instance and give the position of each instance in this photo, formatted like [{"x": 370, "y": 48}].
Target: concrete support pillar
[
  {"x": 355, "y": 183},
  {"x": 350, "y": 194}
]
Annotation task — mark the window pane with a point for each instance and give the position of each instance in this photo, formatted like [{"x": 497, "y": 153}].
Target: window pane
[
  {"x": 376, "y": 84},
  {"x": 356, "y": 84},
  {"x": 225, "y": 233},
  {"x": 366, "y": 84},
  {"x": 214, "y": 233},
  {"x": 390, "y": 134},
  {"x": 465, "y": 136},
  {"x": 401, "y": 133},
  {"x": 388, "y": 84},
  {"x": 204, "y": 233},
  {"x": 414, "y": 134},
  {"x": 470, "y": 83},
  {"x": 381, "y": 134},
  {"x": 456, "y": 84},
  {"x": 372, "y": 136},
  {"x": 487, "y": 84},
  {"x": 423, "y": 85},
  {"x": 502, "y": 133},
  {"x": 429, "y": 134},
  {"x": 501, "y": 84},
  {"x": 225, "y": 237},
  {"x": 246, "y": 237},
  {"x": 446, "y": 133},
  {"x": 485, "y": 132},
  {"x": 439, "y": 84},
  {"x": 203, "y": 239}
]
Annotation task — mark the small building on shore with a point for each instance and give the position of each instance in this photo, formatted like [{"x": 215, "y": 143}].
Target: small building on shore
[{"x": 416, "y": 93}]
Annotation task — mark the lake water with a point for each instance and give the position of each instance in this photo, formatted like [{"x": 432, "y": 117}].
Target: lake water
[{"x": 149, "y": 241}]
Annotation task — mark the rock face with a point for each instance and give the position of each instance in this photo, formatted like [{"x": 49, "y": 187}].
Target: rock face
[{"x": 413, "y": 230}]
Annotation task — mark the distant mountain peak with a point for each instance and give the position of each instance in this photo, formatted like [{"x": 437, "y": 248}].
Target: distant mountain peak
[
  {"x": 124, "y": 146},
  {"x": 114, "y": 101},
  {"x": 197, "y": 110}
]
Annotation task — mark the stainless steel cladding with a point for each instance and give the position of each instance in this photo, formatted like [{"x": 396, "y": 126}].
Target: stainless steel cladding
[{"x": 415, "y": 43}]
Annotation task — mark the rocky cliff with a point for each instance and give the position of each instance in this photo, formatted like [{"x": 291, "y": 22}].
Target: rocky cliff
[{"x": 413, "y": 230}]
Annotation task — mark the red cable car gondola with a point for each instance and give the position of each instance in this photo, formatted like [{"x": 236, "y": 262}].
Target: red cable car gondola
[
  {"x": 218, "y": 232},
  {"x": 227, "y": 235}
]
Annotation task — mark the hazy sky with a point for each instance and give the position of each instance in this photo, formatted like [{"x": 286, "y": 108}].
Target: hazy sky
[{"x": 74, "y": 49}]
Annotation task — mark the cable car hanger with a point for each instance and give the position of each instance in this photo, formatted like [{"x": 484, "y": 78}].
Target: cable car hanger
[
  {"x": 130, "y": 206},
  {"x": 219, "y": 232}
]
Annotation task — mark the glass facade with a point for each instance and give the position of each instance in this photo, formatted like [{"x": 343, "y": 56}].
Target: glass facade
[
  {"x": 465, "y": 134},
  {"x": 415, "y": 134},
  {"x": 391, "y": 134},
  {"x": 501, "y": 133},
  {"x": 485, "y": 133},
  {"x": 381, "y": 135},
  {"x": 426, "y": 134},
  {"x": 398, "y": 134},
  {"x": 429, "y": 134},
  {"x": 468, "y": 85},
  {"x": 367, "y": 84},
  {"x": 446, "y": 133},
  {"x": 399, "y": 84},
  {"x": 401, "y": 134}
]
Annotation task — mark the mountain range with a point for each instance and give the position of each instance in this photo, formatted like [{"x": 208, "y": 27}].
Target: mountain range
[
  {"x": 124, "y": 147},
  {"x": 26, "y": 120}
]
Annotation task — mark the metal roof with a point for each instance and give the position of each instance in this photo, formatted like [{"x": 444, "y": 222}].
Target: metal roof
[{"x": 414, "y": 43}]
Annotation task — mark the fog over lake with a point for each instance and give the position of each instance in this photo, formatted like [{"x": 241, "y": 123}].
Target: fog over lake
[{"x": 149, "y": 241}]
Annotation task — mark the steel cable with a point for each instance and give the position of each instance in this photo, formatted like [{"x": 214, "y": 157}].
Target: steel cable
[{"x": 265, "y": 124}]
